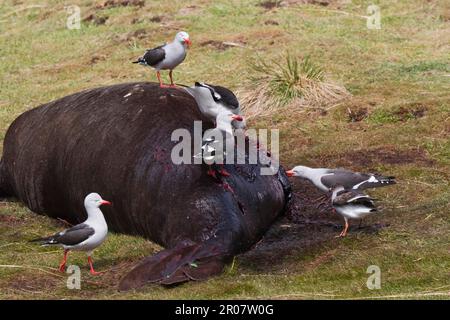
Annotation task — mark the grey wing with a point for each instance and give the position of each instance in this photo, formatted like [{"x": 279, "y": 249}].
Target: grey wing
[
  {"x": 154, "y": 56},
  {"x": 344, "y": 178},
  {"x": 74, "y": 235},
  {"x": 348, "y": 197}
]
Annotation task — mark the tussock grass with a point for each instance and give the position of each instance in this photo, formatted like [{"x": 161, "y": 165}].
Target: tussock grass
[{"x": 293, "y": 84}]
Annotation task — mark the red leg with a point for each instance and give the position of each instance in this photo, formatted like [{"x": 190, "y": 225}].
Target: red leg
[
  {"x": 344, "y": 231},
  {"x": 62, "y": 265},
  {"x": 159, "y": 78},
  {"x": 171, "y": 79},
  {"x": 93, "y": 272},
  {"x": 161, "y": 85}
]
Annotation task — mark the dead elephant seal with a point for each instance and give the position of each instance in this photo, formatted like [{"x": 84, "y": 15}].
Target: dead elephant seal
[{"x": 116, "y": 140}]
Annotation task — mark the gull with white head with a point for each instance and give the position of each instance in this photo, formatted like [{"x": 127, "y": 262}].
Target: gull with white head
[
  {"x": 85, "y": 236},
  {"x": 167, "y": 56},
  {"x": 217, "y": 141},
  {"x": 326, "y": 179},
  {"x": 213, "y": 99}
]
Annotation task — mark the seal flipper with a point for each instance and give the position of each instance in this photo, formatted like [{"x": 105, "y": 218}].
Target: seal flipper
[
  {"x": 188, "y": 260},
  {"x": 198, "y": 271}
]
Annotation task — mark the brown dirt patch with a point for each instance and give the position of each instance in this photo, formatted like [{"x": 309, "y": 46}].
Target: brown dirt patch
[
  {"x": 357, "y": 114},
  {"x": 121, "y": 3},
  {"x": 221, "y": 46},
  {"x": 358, "y": 108},
  {"x": 369, "y": 158},
  {"x": 412, "y": 111},
  {"x": 97, "y": 58},
  {"x": 273, "y": 4},
  {"x": 289, "y": 3},
  {"x": 185, "y": 11},
  {"x": 156, "y": 19},
  {"x": 138, "y": 34},
  {"x": 133, "y": 35},
  {"x": 269, "y": 4},
  {"x": 271, "y": 23},
  {"x": 323, "y": 3},
  {"x": 95, "y": 19},
  {"x": 304, "y": 230}
]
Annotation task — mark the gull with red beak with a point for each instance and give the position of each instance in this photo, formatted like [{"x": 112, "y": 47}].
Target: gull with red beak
[
  {"x": 213, "y": 99},
  {"x": 218, "y": 141},
  {"x": 167, "y": 56},
  {"x": 85, "y": 236},
  {"x": 326, "y": 179}
]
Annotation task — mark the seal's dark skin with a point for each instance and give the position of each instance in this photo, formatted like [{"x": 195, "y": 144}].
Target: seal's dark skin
[{"x": 118, "y": 145}]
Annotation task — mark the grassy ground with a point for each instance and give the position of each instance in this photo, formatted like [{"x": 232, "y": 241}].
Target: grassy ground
[{"x": 399, "y": 78}]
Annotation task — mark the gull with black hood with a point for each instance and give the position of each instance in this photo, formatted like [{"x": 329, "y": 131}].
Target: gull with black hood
[{"x": 212, "y": 100}]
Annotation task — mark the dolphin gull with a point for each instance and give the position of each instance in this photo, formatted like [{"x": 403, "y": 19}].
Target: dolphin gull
[
  {"x": 212, "y": 100},
  {"x": 167, "y": 56},
  {"x": 351, "y": 204},
  {"x": 85, "y": 236},
  {"x": 325, "y": 179},
  {"x": 217, "y": 141}
]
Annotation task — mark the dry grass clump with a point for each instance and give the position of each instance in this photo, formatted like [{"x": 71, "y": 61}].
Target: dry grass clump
[{"x": 292, "y": 84}]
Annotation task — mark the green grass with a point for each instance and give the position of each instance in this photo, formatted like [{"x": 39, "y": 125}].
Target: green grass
[{"x": 405, "y": 64}]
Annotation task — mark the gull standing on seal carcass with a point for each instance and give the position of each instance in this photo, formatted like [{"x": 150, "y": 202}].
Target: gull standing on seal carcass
[
  {"x": 85, "y": 236},
  {"x": 214, "y": 150},
  {"x": 167, "y": 56},
  {"x": 212, "y": 100}
]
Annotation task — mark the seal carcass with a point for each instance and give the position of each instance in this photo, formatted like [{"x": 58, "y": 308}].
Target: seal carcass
[{"x": 116, "y": 141}]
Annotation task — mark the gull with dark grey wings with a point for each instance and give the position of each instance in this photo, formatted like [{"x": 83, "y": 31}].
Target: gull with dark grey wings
[
  {"x": 167, "y": 56},
  {"x": 85, "y": 236},
  {"x": 326, "y": 179}
]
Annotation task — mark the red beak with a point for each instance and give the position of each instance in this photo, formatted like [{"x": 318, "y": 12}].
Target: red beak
[
  {"x": 188, "y": 42},
  {"x": 237, "y": 117},
  {"x": 104, "y": 202},
  {"x": 290, "y": 173}
]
